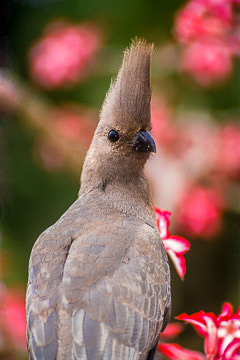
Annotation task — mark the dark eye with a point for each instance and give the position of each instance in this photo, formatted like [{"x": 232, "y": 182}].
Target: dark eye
[{"x": 113, "y": 136}]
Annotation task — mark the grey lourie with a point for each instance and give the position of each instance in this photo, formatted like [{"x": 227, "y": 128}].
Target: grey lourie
[{"x": 99, "y": 281}]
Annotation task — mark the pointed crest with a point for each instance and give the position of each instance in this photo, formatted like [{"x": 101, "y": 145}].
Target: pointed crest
[{"x": 128, "y": 100}]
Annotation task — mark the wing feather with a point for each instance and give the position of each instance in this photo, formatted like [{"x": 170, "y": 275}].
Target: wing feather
[
  {"x": 100, "y": 294},
  {"x": 122, "y": 297}
]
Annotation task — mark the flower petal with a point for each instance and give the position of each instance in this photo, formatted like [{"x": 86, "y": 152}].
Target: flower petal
[
  {"x": 163, "y": 222},
  {"x": 221, "y": 334},
  {"x": 227, "y": 310},
  {"x": 228, "y": 330},
  {"x": 210, "y": 344},
  {"x": 177, "y": 243},
  {"x": 232, "y": 351},
  {"x": 198, "y": 320},
  {"x": 238, "y": 312},
  {"x": 177, "y": 352},
  {"x": 172, "y": 330},
  {"x": 178, "y": 262},
  {"x": 176, "y": 246}
]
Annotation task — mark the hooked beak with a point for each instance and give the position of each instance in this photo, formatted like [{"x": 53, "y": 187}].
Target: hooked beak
[{"x": 144, "y": 142}]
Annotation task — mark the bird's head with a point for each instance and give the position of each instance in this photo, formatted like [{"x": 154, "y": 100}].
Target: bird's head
[{"x": 122, "y": 141}]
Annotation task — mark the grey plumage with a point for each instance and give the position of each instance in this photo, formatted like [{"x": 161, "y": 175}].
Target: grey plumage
[{"x": 99, "y": 283}]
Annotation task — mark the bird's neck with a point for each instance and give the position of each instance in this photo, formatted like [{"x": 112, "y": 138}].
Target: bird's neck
[{"x": 128, "y": 195}]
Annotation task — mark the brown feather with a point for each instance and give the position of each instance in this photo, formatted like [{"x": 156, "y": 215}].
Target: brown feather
[{"x": 128, "y": 100}]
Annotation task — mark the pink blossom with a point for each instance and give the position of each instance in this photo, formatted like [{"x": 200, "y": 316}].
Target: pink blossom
[
  {"x": 221, "y": 336},
  {"x": 177, "y": 352},
  {"x": 210, "y": 39},
  {"x": 173, "y": 329},
  {"x": 199, "y": 211},
  {"x": 176, "y": 246},
  {"x": 162, "y": 130},
  {"x": 228, "y": 158},
  {"x": 13, "y": 318},
  {"x": 202, "y": 19},
  {"x": 221, "y": 9},
  {"x": 73, "y": 127},
  {"x": 62, "y": 56},
  {"x": 205, "y": 325},
  {"x": 74, "y": 124},
  {"x": 232, "y": 351},
  {"x": 228, "y": 328},
  {"x": 221, "y": 333},
  {"x": 207, "y": 62}
]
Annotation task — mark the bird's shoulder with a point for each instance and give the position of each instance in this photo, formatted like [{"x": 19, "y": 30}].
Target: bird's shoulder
[
  {"x": 88, "y": 229},
  {"x": 108, "y": 263},
  {"x": 107, "y": 244},
  {"x": 114, "y": 276}
]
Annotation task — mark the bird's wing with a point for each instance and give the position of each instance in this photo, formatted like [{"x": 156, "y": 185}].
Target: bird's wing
[
  {"x": 115, "y": 291},
  {"x": 45, "y": 275},
  {"x": 98, "y": 293}
]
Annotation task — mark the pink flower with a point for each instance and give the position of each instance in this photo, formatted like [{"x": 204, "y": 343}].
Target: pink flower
[
  {"x": 202, "y": 19},
  {"x": 199, "y": 211},
  {"x": 13, "y": 318},
  {"x": 162, "y": 130},
  {"x": 221, "y": 336},
  {"x": 232, "y": 351},
  {"x": 221, "y": 9},
  {"x": 63, "y": 54},
  {"x": 228, "y": 158},
  {"x": 205, "y": 325},
  {"x": 176, "y": 246},
  {"x": 221, "y": 333},
  {"x": 207, "y": 62},
  {"x": 228, "y": 329},
  {"x": 74, "y": 124},
  {"x": 173, "y": 329},
  {"x": 177, "y": 352},
  {"x": 210, "y": 36},
  {"x": 73, "y": 128}
]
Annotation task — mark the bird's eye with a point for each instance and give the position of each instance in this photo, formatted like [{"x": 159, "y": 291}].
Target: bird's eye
[{"x": 113, "y": 135}]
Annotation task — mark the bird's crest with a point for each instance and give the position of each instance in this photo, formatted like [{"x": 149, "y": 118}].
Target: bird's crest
[{"x": 128, "y": 100}]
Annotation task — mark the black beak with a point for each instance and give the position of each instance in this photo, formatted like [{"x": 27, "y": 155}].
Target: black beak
[{"x": 144, "y": 142}]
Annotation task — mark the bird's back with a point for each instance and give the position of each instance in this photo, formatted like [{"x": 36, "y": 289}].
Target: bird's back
[{"x": 95, "y": 281}]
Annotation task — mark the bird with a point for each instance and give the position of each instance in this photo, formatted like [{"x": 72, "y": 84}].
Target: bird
[{"x": 99, "y": 280}]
